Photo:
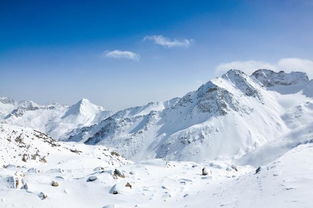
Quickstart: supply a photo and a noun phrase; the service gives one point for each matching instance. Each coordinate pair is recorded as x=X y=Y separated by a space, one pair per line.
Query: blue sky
x=125 y=53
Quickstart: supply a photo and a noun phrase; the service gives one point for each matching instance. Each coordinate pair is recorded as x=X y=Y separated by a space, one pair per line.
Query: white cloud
x=168 y=43
x=284 y=64
x=296 y=64
x=118 y=54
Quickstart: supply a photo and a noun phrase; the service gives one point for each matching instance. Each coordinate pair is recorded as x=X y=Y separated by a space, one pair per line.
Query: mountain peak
x=6 y=100
x=28 y=104
x=242 y=82
x=84 y=107
x=271 y=78
x=235 y=76
x=232 y=72
x=84 y=101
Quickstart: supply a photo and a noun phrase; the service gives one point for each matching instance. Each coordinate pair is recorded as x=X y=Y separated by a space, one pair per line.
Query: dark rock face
x=240 y=81
x=204 y=171
x=257 y=170
x=270 y=78
x=211 y=98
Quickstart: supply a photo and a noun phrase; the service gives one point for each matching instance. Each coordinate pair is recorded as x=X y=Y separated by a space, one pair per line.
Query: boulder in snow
x=91 y=178
x=205 y=171
x=54 y=184
x=42 y=195
x=118 y=173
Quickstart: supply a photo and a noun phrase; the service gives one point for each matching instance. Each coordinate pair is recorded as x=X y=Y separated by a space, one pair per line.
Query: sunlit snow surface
x=252 y=134
x=284 y=182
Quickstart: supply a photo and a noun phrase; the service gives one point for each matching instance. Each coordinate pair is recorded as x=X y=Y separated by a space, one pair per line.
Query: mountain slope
x=24 y=146
x=225 y=118
x=7 y=105
x=251 y=138
x=87 y=176
x=55 y=120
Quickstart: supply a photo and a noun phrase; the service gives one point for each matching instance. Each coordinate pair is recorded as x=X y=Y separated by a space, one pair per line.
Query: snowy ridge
x=270 y=78
x=55 y=119
x=25 y=146
x=248 y=141
x=225 y=118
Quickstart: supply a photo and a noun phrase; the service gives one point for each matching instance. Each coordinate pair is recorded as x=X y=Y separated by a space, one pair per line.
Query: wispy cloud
x=118 y=54
x=291 y=64
x=285 y=64
x=169 y=43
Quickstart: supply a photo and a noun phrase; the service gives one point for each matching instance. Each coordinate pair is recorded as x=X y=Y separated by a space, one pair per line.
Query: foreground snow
x=286 y=182
x=77 y=175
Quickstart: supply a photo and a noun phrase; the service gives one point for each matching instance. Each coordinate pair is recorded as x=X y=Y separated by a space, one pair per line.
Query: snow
x=223 y=119
x=251 y=134
x=286 y=181
x=55 y=119
x=6 y=106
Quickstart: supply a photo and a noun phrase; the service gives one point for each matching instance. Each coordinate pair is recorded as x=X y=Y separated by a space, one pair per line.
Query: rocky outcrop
x=270 y=78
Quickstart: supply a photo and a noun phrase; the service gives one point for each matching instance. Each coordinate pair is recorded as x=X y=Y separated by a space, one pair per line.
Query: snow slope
x=56 y=120
x=225 y=118
x=83 y=176
x=7 y=105
x=252 y=136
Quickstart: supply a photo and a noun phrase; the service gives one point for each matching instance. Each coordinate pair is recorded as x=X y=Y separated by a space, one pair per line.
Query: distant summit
x=225 y=118
x=54 y=119
x=270 y=78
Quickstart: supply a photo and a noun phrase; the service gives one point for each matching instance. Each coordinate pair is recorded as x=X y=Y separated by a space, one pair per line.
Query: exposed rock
x=205 y=171
x=25 y=186
x=118 y=173
x=113 y=153
x=114 y=189
x=119 y=188
x=54 y=184
x=234 y=167
x=43 y=160
x=91 y=178
x=270 y=78
x=12 y=181
x=15 y=181
x=25 y=157
x=42 y=195
x=75 y=151
x=257 y=170
x=128 y=185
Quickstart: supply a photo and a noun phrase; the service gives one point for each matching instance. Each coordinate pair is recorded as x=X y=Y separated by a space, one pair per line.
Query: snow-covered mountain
x=248 y=141
x=7 y=105
x=225 y=118
x=20 y=146
x=55 y=119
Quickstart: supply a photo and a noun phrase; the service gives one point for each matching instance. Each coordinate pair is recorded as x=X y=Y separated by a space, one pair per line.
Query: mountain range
x=225 y=118
x=237 y=141
x=55 y=119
